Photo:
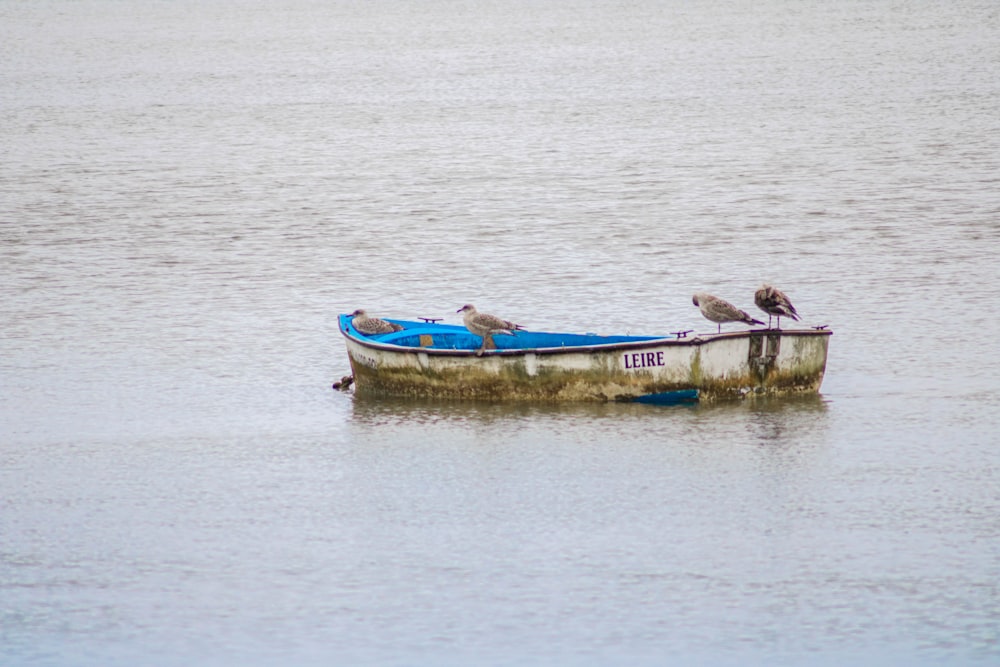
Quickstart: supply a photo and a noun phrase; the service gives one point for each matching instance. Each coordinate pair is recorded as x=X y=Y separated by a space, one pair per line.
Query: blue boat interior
x=457 y=337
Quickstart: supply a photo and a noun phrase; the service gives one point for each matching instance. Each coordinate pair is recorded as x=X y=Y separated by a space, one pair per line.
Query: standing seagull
x=721 y=311
x=774 y=302
x=371 y=326
x=484 y=325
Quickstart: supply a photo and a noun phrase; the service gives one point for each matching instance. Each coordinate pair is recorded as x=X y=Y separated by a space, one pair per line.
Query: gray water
x=191 y=192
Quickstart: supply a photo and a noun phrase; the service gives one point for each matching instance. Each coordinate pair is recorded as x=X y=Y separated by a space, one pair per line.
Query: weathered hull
x=716 y=367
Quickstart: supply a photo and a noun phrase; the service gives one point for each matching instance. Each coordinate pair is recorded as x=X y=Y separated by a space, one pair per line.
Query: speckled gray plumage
x=721 y=311
x=371 y=326
x=774 y=302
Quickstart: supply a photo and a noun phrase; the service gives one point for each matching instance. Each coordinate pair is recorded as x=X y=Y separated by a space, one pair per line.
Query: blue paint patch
x=670 y=397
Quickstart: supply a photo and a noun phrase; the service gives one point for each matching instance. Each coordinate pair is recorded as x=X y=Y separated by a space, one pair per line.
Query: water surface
x=191 y=194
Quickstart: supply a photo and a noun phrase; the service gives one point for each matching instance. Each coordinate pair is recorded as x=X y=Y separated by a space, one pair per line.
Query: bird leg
x=487 y=339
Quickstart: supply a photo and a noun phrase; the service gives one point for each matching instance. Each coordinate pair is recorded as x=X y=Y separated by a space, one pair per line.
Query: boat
x=429 y=359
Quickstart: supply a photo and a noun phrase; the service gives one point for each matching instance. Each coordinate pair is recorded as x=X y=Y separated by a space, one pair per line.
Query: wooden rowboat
x=432 y=360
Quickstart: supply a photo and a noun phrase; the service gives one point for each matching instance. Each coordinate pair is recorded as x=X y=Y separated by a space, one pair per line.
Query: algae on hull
x=719 y=367
x=508 y=384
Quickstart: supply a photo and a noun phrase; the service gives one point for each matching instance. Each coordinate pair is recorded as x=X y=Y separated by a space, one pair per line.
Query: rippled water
x=190 y=194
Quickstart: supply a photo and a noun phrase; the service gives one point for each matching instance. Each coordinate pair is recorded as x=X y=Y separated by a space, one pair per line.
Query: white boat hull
x=723 y=366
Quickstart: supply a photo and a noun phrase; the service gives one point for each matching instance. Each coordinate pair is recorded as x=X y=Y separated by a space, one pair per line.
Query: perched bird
x=721 y=311
x=484 y=325
x=371 y=326
x=774 y=302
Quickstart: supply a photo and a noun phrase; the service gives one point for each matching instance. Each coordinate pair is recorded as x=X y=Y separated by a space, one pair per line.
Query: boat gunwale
x=694 y=341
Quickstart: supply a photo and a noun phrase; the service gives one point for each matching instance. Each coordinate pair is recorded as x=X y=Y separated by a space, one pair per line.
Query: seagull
x=371 y=326
x=484 y=325
x=774 y=302
x=721 y=311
